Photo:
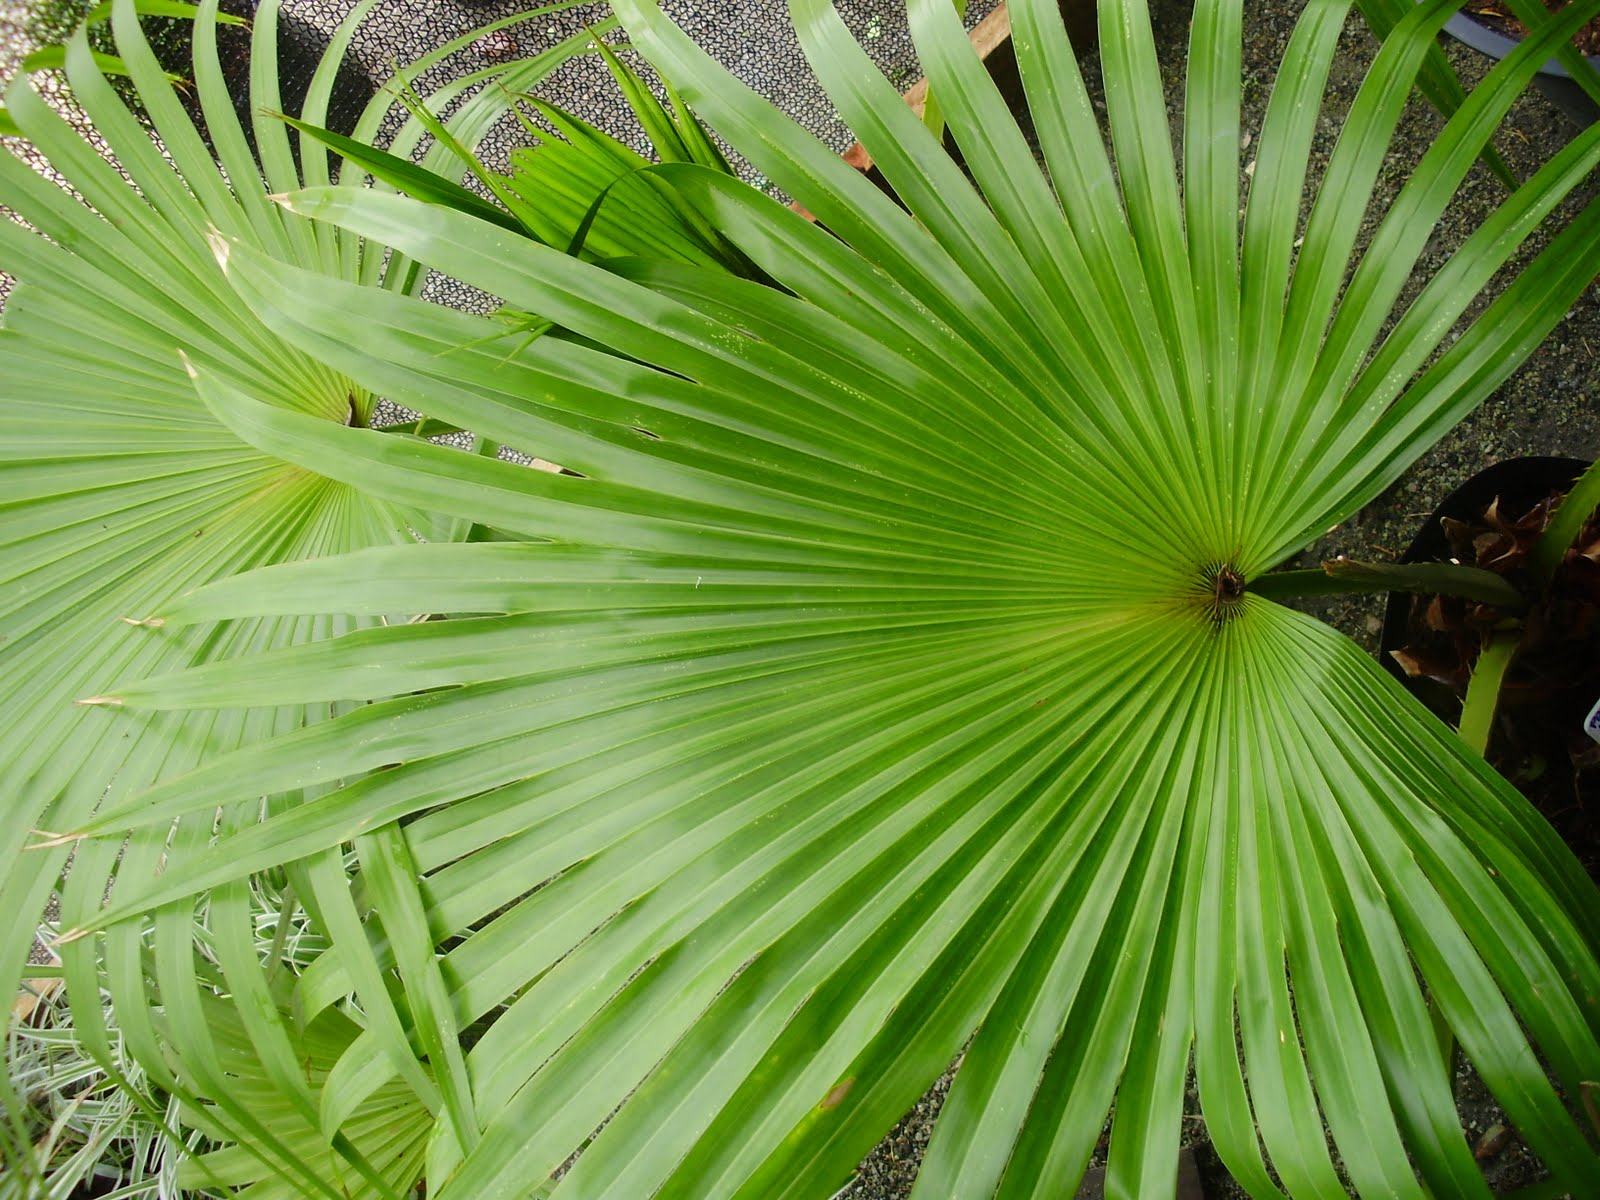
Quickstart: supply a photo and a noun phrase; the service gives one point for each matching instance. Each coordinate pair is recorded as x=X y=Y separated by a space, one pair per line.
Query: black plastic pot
x=1519 y=483
x=1554 y=80
x=1538 y=744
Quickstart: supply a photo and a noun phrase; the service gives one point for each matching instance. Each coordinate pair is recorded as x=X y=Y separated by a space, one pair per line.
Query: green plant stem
x=1346 y=575
x=1314 y=581
x=1483 y=690
x=1566 y=524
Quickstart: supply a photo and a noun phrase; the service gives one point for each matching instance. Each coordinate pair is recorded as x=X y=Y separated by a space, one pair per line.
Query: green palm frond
x=120 y=488
x=880 y=682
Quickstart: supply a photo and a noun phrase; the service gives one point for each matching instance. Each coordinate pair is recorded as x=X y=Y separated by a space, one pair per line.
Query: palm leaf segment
x=878 y=682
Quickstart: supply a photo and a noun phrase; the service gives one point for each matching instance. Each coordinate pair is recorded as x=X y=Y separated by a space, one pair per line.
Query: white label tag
x=1591 y=723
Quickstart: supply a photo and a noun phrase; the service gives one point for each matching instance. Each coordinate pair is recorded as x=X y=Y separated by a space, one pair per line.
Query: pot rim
x=1497 y=45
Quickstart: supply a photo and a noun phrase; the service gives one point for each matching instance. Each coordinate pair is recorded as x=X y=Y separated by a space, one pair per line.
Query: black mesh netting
x=752 y=37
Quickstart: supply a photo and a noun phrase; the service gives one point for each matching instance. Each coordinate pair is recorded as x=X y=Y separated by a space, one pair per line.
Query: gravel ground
x=1547 y=407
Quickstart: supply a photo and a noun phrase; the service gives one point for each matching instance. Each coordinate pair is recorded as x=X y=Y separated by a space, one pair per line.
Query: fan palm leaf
x=880 y=683
x=119 y=486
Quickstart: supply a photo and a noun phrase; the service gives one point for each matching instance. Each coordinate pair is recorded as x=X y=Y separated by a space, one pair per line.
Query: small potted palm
x=1514 y=668
x=887 y=676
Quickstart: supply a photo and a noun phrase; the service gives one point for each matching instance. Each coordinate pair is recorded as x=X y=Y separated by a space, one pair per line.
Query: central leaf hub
x=1225 y=586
